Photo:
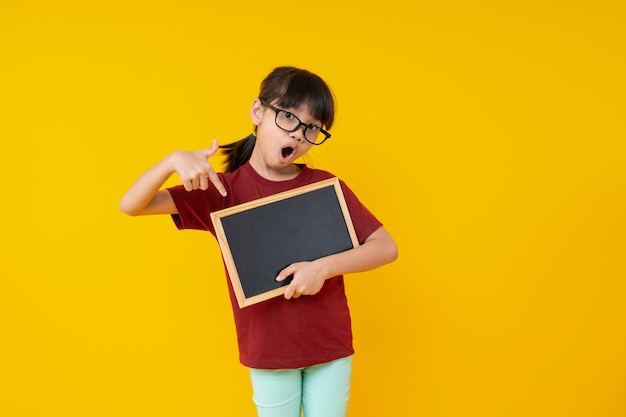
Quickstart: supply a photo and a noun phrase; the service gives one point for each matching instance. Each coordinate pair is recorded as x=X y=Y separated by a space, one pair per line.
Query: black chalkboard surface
x=260 y=238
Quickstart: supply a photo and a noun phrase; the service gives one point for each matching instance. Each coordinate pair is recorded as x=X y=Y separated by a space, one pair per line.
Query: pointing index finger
x=215 y=180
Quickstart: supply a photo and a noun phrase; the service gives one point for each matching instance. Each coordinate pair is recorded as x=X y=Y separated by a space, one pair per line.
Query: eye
x=313 y=128
x=288 y=115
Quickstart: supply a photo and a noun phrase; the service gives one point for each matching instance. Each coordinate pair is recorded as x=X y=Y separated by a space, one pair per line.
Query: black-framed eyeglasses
x=289 y=122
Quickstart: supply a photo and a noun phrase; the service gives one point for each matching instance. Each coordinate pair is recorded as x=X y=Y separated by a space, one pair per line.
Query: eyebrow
x=317 y=123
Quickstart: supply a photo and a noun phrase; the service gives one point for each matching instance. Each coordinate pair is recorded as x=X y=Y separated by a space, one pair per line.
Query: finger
x=208 y=152
x=188 y=185
x=195 y=182
x=285 y=273
x=289 y=292
x=215 y=179
x=204 y=182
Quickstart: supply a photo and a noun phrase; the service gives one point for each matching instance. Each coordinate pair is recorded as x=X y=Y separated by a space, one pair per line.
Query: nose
x=299 y=133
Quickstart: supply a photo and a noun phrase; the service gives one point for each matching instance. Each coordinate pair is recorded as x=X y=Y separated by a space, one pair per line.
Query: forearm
x=379 y=249
x=142 y=193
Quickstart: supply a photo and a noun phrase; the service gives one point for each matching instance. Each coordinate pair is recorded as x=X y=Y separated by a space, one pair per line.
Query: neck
x=286 y=173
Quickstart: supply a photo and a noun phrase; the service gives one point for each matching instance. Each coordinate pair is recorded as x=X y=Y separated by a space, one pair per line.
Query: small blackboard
x=260 y=238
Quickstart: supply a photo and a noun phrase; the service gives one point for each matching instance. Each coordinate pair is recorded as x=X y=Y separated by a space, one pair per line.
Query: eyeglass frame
x=300 y=123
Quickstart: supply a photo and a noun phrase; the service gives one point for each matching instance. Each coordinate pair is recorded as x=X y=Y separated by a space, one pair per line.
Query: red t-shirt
x=279 y=333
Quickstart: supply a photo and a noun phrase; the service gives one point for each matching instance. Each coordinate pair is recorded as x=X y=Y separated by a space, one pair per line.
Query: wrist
x=170 y=162
x=324 y=265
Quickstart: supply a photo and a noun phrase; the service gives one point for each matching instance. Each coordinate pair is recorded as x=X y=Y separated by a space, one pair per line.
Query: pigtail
x=238 y=153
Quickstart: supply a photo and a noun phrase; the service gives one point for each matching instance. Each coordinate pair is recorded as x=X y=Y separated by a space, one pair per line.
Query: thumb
x=208 y=152
x=285 y=273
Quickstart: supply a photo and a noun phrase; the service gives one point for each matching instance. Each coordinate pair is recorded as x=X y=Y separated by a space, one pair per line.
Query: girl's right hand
x=194 y=169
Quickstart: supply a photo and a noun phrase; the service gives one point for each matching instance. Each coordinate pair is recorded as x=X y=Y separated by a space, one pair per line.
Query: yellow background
x=488 y=136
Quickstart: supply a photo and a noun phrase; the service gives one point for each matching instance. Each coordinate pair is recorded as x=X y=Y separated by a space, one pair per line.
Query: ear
x=256 y=112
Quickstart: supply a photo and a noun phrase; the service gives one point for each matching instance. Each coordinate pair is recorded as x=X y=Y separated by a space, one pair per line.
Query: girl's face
x=276 y=149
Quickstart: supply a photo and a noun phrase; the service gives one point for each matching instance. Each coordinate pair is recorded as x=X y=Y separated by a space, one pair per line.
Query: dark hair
x=287 y=87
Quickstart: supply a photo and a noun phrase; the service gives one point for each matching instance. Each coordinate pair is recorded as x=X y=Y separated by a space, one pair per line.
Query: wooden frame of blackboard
x=261 y=237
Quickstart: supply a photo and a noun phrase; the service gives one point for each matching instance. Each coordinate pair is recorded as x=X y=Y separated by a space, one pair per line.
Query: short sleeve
x=194 y=207
x=364 y=222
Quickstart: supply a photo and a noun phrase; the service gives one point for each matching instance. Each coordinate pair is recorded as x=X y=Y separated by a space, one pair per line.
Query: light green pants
x=320 y=391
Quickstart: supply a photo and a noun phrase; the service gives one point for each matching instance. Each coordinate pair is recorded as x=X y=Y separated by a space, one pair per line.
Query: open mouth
x=287 y=152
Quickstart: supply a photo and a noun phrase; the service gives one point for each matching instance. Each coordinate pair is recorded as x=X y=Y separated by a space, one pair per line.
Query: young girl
x=298 y=347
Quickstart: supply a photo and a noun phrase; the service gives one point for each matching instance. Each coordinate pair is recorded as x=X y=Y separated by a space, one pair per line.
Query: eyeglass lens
x=289 y=122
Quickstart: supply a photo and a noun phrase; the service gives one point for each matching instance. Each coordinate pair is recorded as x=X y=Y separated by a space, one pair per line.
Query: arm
x=145 y=195
x=308 y=277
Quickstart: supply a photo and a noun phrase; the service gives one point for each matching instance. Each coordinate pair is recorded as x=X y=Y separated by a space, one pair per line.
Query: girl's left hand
x=307 y=279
